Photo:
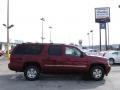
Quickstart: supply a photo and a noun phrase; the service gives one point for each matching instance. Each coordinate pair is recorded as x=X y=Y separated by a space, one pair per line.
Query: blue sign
x=102 y=25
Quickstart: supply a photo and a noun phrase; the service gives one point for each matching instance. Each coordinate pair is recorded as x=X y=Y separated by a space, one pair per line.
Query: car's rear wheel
x=97 y=73
x=111 y=61
x=32 y=72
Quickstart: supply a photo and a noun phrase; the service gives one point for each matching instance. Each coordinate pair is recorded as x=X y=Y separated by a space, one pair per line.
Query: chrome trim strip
x=83 y=66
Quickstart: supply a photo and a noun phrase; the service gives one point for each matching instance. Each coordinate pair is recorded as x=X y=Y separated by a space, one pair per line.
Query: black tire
x=111 y=61
x=97 y=73
x=32 y=72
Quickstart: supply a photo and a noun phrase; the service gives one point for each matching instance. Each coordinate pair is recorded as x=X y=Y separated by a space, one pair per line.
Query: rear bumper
x=15 y=67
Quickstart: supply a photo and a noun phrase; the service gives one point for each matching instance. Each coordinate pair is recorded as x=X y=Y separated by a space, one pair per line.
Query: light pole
x=118 y=6
x=8 y=27
x=50 y=34
x=42 y=19
x=92 y=37
x=108 y=36
x=88 y=39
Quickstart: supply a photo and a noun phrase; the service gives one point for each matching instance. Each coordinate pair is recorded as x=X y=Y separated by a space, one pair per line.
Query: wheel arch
x=26 y=64
x=97 y=64
x=112 y=59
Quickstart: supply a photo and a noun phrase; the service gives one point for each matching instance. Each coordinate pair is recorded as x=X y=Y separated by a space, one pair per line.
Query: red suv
x=34 y=58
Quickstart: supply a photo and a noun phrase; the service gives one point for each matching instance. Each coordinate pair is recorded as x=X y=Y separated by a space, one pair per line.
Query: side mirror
x=83 y=54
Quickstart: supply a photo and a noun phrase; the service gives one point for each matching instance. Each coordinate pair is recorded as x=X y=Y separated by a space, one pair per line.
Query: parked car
x=91 y=51
x=113 y=56
x=1 y=53
x=33 y=59
x=102 y=53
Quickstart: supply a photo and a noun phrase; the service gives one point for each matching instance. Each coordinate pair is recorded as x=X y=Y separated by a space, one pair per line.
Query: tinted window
x=28 y=49
x=55 y=50
x=116 y=53
x=20 y=49
x=93 y=51
x=33 y=50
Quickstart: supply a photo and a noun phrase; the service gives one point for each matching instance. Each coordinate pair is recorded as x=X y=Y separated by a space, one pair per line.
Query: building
x=3 y=46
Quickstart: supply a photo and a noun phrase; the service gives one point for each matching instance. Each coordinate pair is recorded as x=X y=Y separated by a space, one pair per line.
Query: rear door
x=53 y=60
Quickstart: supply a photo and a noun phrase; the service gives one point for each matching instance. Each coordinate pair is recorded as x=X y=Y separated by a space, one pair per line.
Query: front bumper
x=107 y=70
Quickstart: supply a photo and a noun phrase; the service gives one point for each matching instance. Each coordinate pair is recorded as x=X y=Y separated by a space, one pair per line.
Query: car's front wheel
x=97 y=73
x=31 y=73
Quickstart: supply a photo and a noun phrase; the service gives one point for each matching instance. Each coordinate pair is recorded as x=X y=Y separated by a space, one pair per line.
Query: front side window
x=72 y=51
x=55 y=50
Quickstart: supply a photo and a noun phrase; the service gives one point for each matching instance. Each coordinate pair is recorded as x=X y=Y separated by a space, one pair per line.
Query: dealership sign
x=102 y=15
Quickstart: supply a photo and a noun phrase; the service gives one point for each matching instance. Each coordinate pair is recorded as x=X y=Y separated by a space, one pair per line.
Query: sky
x=70 y=20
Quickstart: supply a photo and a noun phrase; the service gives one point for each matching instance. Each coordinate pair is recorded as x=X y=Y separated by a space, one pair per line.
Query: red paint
x=57 y=64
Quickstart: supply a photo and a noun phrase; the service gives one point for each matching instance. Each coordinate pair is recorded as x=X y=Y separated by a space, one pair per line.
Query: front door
x=73 y=60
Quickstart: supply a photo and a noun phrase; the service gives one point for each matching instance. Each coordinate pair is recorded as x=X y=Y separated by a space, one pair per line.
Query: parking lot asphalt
x=10 y=80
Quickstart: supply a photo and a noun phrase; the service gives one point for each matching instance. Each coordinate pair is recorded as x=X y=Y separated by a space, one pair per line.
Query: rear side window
x=20 y=50
x=28 y=49
x=55 y=50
